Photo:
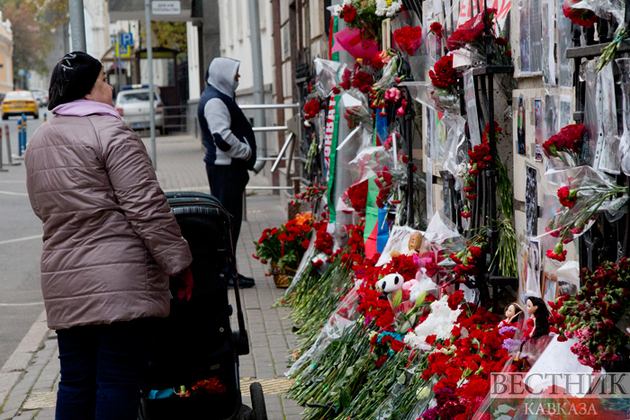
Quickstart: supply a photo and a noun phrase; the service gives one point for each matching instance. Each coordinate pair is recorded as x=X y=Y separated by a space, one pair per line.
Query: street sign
x=21 y=72
x=126 y=39
x=172 y=7
x=28 y=75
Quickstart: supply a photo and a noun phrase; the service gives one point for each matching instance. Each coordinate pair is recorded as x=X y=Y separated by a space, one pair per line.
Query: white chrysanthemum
x=337 y=10
x=346 y=3
x=381 y=7
x=393 y=9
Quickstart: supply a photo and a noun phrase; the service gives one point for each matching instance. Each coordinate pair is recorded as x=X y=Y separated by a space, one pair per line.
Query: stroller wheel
x=259 y=411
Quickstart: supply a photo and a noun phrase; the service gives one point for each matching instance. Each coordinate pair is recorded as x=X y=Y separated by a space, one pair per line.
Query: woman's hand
x=187 y=278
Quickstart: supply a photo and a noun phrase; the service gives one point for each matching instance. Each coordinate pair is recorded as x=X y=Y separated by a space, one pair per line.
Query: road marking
x=27 y=238
x=14 y=193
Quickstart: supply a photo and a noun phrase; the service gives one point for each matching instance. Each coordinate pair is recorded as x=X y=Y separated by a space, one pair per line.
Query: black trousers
x=227 y=183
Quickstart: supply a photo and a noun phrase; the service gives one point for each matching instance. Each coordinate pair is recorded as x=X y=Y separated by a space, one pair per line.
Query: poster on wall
x=469 y=9
x=535 y=37
x=531 y=201
x=471 y=108
x=548 y=43
x=538 y=130
x=550 y=287
x=524 y=42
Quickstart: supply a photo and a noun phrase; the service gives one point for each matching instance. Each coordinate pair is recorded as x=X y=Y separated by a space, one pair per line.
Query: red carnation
x=349 y=13
x=362 y=81
x=436 y=28
x=455 y=299
x=311 y=109
x=443 y=75
x=567 y=197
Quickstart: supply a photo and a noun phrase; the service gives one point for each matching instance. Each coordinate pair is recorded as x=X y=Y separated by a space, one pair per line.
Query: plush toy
x=414 y=246
x=391 y=283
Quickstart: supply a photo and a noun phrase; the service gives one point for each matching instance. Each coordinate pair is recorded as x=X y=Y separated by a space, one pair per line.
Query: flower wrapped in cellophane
x=583 y=194
x=564 y=149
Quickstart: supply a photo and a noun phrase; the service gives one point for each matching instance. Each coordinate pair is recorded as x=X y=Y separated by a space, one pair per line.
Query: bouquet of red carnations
x=581 y=17
x=565 y=146
x=408 y=39
x=356 y=196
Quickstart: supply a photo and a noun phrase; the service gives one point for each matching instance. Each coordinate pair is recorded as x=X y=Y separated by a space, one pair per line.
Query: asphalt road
x=20 y=249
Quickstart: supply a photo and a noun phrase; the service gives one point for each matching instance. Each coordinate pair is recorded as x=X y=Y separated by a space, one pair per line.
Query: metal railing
x=262 y=160
x=179 y=119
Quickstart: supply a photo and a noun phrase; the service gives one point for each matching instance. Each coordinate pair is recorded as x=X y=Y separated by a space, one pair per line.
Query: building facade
x=6 y=56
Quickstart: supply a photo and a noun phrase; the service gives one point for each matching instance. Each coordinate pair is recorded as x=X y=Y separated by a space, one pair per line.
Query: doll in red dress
x=538 y=324
x=513 y=314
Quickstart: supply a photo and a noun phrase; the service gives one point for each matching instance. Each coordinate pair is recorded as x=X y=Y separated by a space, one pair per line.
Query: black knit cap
x=72 y=78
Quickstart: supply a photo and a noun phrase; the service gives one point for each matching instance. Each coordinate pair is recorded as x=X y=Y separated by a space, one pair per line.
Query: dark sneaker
x=243 y=282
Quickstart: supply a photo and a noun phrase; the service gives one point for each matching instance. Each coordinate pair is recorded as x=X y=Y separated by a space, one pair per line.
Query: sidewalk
x=32 y=372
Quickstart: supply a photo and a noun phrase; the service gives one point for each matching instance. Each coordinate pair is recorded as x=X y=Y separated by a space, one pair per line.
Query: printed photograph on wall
x=531 y=201
x=538 y=130
x=567 y=288
x=534 y=268
x=550 y=287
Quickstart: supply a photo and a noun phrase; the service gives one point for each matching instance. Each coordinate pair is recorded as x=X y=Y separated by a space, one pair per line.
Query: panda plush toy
x=391 y=283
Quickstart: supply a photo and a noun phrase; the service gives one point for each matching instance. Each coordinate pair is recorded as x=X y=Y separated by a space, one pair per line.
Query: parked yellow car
x=19 y=102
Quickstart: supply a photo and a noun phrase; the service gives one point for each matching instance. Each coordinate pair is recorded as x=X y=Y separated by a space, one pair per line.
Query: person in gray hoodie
x=229 y=140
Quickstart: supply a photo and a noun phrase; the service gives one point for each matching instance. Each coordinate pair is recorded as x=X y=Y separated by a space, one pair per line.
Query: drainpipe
x=277 y=54
x=257 y=66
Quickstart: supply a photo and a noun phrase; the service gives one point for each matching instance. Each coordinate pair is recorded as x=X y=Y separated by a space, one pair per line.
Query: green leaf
x=397 y=299
x=344 y=398
x=402 y=378
x=421 y=298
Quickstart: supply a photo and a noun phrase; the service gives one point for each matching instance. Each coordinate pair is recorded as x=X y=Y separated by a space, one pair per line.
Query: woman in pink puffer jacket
x=110 y=243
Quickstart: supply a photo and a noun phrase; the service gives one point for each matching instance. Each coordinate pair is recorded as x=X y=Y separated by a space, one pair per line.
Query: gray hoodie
x=220 y=75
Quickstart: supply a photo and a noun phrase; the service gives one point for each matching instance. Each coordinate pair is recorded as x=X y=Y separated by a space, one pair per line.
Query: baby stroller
x=193 y=371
